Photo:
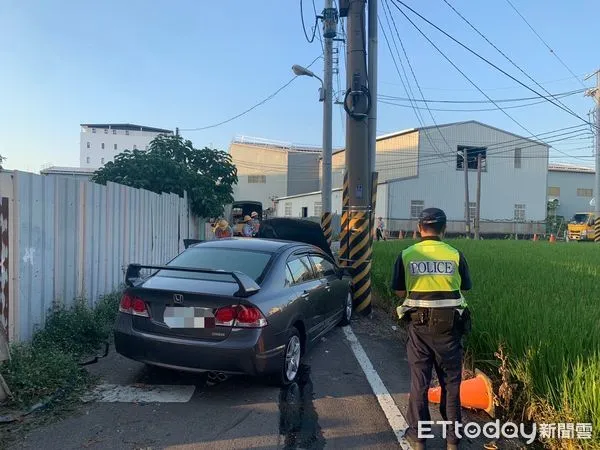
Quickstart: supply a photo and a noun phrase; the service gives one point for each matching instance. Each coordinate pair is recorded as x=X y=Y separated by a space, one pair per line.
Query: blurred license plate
x=189 y=317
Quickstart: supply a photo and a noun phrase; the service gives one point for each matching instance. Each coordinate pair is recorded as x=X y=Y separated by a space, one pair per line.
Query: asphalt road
x=332 y=405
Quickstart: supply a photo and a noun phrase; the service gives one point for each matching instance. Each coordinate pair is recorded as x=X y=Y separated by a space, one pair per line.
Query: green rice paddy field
x=541 y=301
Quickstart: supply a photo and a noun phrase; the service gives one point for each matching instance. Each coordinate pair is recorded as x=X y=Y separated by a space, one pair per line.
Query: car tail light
x=130 y=304
x=242 y=316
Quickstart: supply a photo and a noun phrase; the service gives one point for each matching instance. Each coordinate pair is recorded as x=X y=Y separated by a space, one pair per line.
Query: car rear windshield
x=252 y=263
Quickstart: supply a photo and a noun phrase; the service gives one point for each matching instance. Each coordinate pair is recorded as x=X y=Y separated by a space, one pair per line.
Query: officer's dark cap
x=431 y=216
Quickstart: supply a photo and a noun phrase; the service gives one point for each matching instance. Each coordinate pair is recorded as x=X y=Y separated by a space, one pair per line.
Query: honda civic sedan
x=233 y=306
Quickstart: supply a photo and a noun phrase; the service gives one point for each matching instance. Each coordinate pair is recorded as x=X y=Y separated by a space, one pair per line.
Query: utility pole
x=478 y=215
x=372 y=73
x=177 y=131
x=330 y=20
x=357 y=104
x=467 y=209
x=595 y=92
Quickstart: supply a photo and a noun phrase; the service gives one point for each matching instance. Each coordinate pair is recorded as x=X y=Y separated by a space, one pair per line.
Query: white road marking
x=141 y=393
x=391 y=411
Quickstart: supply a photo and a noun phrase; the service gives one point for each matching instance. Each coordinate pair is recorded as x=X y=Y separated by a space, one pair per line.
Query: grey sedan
x=234 y=306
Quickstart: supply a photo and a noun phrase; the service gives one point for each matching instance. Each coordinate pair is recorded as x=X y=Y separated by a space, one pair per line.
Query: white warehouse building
x=423 y=167
x=100 y=143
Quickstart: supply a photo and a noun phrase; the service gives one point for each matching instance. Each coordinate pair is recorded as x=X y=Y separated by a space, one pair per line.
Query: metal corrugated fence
x=72 y=239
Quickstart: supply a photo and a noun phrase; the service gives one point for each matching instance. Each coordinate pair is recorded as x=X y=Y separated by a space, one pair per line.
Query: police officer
x=430 y=275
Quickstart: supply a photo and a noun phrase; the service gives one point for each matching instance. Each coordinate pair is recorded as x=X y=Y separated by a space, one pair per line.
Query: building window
x=87 y=160
x=103 y=146
x=262 y=179
x=106 y=131
x=585 y=192
x=101 y=160
x=115 y=146
x=288 y=209
x=94 y=130
x=517 y=158
x=88 y=145
x=318 y=209
x=416 y=207
x=305 y=211
x=471 y=155
x=127 y=132
x=114 y=131
x=554 y=191
x=520 y=212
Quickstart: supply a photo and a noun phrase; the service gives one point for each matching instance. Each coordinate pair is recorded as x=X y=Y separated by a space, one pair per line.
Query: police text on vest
x=432 y=268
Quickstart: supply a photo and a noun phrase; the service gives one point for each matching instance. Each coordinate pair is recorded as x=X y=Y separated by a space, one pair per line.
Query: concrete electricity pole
x=355 y=247
x=330 y=20
x=478 y=215
x=467 y=209
x=372 y=72
x=595 y=92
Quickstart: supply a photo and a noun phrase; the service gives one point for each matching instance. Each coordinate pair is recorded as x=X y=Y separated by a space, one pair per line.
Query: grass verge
x=50 y=362
x=539 y=302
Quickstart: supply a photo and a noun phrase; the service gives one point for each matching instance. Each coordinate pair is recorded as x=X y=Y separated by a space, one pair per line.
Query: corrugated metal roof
x=558 y=167
x=126 y=126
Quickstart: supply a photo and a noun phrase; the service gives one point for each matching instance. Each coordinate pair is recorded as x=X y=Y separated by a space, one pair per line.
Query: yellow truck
x=581 y=227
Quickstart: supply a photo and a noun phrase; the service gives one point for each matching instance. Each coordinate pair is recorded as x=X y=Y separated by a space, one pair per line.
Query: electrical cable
x=408 y=90
x=460 y=71
x=502 y=53
x=252 y=107
x=482 y=58
x=507 y=100
x=545 y=43
x=310 y=41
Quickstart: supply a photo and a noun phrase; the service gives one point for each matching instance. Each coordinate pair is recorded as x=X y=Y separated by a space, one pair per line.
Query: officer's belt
x=442 y=303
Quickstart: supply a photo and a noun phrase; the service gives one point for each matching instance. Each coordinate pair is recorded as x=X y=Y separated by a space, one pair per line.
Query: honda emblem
x=178 y=298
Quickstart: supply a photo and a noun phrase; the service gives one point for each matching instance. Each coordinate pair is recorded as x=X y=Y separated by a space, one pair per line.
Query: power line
x=502 y=53
x=386 y=4
x=460 y=71
x=408 y=90
x=507 y=100
x=310 y=40
x=263 y=101
x=482 y=58
x=545 y=43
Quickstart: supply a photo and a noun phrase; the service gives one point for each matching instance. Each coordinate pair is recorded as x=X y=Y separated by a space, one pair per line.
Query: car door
x=306 y=284
x=331 y=292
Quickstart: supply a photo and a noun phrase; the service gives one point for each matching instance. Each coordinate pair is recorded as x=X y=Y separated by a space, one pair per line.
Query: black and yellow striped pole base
x=360 y=255
x=344 y=226
x=597 y=229
x=326 y=218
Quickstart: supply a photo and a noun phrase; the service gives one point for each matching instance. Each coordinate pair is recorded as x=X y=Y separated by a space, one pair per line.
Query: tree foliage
x=173 y=165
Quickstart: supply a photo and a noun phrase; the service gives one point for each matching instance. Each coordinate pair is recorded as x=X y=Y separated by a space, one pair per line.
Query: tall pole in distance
x=478 y=196
x=330 y=19
x=357 y=104
x=595 y=92
x=372 y=75
x=467 y=209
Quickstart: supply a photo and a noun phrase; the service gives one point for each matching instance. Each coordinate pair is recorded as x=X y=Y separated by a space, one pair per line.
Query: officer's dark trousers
x=426 y=350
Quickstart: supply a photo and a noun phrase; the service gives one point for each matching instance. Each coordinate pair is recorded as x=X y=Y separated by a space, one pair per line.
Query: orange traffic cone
x=552 y=238
x=414 y=235
x=475 y=393
x=401 y=235
x=535 y=238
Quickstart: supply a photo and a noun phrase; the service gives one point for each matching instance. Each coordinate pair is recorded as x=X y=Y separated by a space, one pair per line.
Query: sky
x=191 y=64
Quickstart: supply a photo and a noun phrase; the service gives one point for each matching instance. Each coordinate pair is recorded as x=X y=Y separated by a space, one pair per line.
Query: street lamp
x=303 y=71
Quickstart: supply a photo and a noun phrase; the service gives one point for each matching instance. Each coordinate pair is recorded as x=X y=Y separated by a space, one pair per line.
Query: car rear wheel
x=291 y=359
x=347 y=317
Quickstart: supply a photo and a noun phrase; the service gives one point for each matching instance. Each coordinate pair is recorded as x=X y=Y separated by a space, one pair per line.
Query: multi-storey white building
x=100 y=143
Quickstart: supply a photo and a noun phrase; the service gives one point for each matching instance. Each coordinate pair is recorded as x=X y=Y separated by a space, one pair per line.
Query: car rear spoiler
x=247 y=286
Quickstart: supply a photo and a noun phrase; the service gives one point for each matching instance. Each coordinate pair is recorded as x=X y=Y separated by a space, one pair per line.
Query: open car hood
x=297 y=230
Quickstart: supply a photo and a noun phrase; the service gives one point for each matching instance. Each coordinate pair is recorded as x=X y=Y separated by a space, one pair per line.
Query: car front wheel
x=348 y=307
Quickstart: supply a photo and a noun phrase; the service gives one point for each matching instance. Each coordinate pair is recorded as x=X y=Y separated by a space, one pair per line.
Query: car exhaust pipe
x=221 y=376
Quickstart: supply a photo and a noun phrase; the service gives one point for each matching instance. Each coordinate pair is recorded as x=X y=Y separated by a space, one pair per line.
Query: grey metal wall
x=71 y=239
x=303 y=173
x=568 y=182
